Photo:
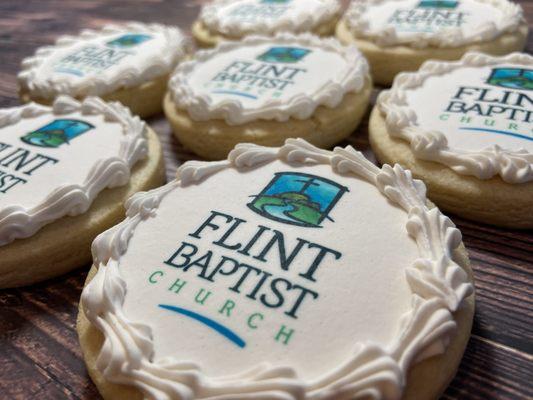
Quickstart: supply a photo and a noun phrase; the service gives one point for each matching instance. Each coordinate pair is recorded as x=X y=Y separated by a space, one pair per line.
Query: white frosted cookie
x=65 y=172
x=399 y=35
x=466 y=129
x=129 y=63
x=233 y=19
x=280 y=273
x=267 y=89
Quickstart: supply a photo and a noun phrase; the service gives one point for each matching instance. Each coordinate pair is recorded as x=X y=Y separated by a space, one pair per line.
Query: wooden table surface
x=39 y=353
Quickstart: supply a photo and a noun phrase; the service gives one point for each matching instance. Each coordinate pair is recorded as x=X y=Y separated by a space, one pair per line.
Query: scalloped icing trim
x=512 y=18
x=122 y=75
x=513 y=166
x=437 y=283
x=308 y=18
x=17 y=222
x=301 y=105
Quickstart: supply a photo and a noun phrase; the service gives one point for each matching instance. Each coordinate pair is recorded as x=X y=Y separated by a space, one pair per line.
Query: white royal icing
x=240 y=17
x=96 y=63
x=459 y=114
x=439 y=23
x=38 y=185
x=382 y=304
x=241 y=81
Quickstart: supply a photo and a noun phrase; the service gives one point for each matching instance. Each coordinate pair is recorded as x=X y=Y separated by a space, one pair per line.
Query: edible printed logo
x=288 y=55
x=447 y=4
x=266 y=76
x=429 y=16
x=226 y=262
x=56 y=133
x=129 y=40
x=503 y=108
x=514 y=78
x=254 y=11
x=95 y=58
x=298 y=199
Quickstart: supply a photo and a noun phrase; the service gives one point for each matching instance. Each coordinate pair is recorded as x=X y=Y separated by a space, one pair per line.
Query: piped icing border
x=130 y=75
x=290 y=22
x=401 y=121
x=201 y=108
x=17 y=222
x=438 y=286
x=512 y=19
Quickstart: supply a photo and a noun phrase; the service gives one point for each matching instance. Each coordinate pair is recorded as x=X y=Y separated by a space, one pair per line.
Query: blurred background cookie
x=267 y=89
x=399 y=35
x=129 y=63
x=465 y=128
x=233 y=19
x=65 y=171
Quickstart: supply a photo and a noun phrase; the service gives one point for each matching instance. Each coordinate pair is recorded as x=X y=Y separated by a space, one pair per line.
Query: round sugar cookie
x=399 y=35
x=128 y=63
x=265 y=90
x=65 y=172
x=465 y=129
x=233 y=19
x=279 y=273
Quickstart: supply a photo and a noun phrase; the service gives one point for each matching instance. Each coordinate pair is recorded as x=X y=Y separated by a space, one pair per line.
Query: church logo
x=512 y=78
x=56 y=133
x=298 y=199
x=445 y=4
x=287 y=55
x=129 y=40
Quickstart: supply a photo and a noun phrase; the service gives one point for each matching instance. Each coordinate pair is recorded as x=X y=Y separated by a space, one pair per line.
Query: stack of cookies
x=283 y=267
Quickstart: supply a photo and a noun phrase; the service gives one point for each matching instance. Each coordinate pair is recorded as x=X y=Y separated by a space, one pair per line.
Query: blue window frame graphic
x=446 y=4
x=57 y=133
x=286 y=55
x=512 y=78
x=129 y=40
x=298 y=199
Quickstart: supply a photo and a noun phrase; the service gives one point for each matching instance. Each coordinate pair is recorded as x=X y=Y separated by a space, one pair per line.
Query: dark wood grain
x=39 y=353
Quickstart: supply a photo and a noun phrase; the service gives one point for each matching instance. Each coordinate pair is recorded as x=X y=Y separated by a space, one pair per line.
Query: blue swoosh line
x=498 y=132
x=227 y=333
x=250 y=96
x=69 y=71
